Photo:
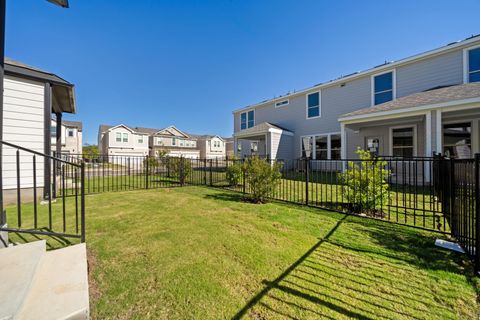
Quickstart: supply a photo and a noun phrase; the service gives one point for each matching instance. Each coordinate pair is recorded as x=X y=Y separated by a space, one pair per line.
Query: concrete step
x=60 y=287
x=18 y=265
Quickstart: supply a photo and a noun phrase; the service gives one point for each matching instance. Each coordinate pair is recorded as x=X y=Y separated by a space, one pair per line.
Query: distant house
x=229 y=147
x=31 y=96
x=174 y=143
x=211 y=147
x=122 y=140
x=71 y=137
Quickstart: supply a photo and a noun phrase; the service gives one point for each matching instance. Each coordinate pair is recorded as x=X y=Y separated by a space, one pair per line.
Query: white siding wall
x=23 y=125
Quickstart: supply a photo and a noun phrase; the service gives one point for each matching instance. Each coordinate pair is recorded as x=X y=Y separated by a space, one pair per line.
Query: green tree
x=90 y=152
x=180 y=168
x=366 y=183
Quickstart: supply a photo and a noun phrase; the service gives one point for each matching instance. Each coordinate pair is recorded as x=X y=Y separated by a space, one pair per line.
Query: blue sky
x=154 y=63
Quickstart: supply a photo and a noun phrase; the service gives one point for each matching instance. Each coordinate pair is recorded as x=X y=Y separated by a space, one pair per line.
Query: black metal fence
x=33 y=204
x=433 y=193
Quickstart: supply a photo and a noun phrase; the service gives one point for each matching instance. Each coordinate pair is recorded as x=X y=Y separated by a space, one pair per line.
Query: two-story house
x=70 y=137
x=122 y=140
x=211 y=147
x=173 y=142
x=426 y=103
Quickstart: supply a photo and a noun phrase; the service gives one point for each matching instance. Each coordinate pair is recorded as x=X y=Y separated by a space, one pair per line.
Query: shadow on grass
x=369 y=269
x=52 y=242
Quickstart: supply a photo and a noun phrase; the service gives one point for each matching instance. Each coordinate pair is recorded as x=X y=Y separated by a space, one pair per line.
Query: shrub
x=180 y=168
x=234 y=174
x=366 y=186
x=262 y=177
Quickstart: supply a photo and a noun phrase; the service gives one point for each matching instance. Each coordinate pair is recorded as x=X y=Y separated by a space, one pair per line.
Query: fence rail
x=434 y=193
x=29 y=190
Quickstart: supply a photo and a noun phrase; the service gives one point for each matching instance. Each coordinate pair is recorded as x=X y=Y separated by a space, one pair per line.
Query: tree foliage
x=262 y=177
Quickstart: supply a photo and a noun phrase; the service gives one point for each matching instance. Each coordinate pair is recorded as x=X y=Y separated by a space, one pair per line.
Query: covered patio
x=442 y=120
x=264 y=140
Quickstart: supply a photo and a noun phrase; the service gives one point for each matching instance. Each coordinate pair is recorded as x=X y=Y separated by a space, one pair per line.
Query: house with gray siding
x=426 y=103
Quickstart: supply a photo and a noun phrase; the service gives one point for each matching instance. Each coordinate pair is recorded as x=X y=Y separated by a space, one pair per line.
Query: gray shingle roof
x=73 y=124
x=425 y=98
x=261 y=128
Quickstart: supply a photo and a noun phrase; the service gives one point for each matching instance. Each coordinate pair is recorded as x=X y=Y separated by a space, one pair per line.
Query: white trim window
x=473 y=65
x=247 y=119
x=383 y=87
x=174 y=141
x=403 y=141
x=282 y=103
x=140 y=139
x=118 y=137
x=125 y=137
x=322 y=146
x=70 y=133
x=313 y=105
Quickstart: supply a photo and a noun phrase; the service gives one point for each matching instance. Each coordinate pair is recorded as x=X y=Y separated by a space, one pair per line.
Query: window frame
x=125 y=137
x=394 y=85
x=118 y=137
x=70 y=130
x=314 y=146
x=282 y=103
x=247 y=120
x=140 y=139
x=415 y=138
x=466 y=63
x=319 y=105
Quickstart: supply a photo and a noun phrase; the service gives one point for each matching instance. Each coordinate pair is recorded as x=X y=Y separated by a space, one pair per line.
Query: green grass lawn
x=202 y=253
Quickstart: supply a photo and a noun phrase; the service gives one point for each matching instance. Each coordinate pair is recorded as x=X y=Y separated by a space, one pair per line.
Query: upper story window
x=53 y=131
x=247 y=119
x=140 y=139
x=383 y=88
x=474 y=65
x=313 y=105
x=118 y=137
x=70 y=132
x=282 y=103
x=174 y=141
x=125 y=137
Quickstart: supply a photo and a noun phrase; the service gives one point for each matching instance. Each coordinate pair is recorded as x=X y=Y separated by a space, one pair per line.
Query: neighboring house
x=426 y=103
x=211 y=147
x=71 y=137
x=173 y=142
x=31 y=96
x=122 y=140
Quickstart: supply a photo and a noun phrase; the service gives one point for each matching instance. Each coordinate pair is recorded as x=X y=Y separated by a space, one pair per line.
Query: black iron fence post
x=477 y=214
x=147 y=169
x=244 y=177
x=82 y=201
x=210 y=174
x=307 y=179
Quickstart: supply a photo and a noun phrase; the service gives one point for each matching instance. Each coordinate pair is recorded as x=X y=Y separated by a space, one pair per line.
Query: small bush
x=180 y=168
x=234 y=174
x=366 y=186
x=262 y=177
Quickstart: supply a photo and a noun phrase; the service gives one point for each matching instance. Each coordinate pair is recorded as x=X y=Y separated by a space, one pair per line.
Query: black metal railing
x=433 y=193
x=31 y=181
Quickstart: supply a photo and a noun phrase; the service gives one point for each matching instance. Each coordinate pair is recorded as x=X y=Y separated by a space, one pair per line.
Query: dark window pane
x=474 y=77
x=457 y=140
x=403 y=152
x=336 y=154
x=383 y=97
x=335 y=142
x=474 y=60
x=321 y=142
x=313 y=112
x=384 y=82
x=321 y=154
x=313 y=99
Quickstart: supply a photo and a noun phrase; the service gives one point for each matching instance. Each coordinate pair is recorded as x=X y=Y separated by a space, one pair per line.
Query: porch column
x=438 y=131
x=343 y=140
x=58 y=136
x=428 y=134
x=47 y=140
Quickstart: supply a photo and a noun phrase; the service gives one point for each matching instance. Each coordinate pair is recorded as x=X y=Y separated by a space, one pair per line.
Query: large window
x=335 y=147
x=247 y=119
x=313 y=105
x=383 y=88
x=474 y=65
x=118 y=137
x=403 y=142
x=322 y=147
x=457 y=140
